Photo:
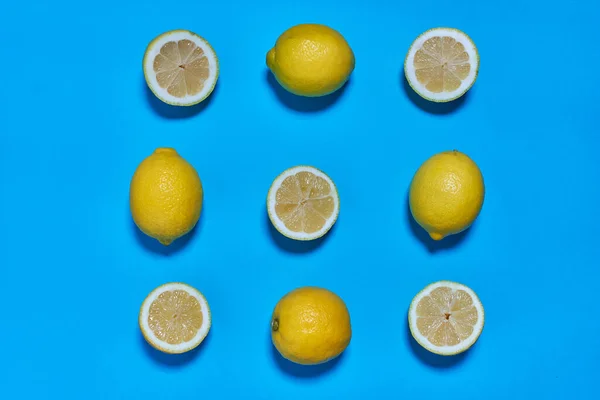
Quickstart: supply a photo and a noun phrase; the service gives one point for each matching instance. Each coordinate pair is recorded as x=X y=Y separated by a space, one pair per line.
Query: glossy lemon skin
x=310 y=325
x=311 y=60
x=165 y=196
x=446 y=194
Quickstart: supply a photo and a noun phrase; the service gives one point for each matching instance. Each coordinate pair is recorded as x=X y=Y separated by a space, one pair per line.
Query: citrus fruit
x=303 y=203
x=446 y=194
x=174 y=318
x=165 y=196
x=180 y=68
x=310 y=325
x=442 y=64
x=311 y=60
x=446 y=318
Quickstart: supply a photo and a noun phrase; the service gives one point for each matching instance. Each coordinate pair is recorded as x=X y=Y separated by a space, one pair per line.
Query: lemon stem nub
x=436 y=236
x=165 y=150
x=271 y=58
x=275 y=325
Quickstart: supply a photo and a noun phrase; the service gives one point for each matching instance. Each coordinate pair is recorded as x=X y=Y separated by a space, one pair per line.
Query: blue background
x=77 y=119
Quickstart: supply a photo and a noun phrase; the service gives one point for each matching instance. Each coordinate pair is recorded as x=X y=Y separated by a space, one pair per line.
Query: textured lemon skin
x=310 y=325
x=446 y=194
x=311 y=60
x=165 y=196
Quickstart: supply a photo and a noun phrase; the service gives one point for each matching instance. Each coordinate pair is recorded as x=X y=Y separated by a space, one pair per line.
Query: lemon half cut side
x=181 y=68
x=442 y=64
x=303 y=203
x=446 y=318
x=175 y=318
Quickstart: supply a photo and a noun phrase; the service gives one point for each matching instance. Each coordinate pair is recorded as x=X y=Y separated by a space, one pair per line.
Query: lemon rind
x=443 y=97
x=182 y=347
x=446 y=350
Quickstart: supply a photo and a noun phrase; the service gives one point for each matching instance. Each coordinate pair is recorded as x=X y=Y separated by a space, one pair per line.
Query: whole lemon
x=311 y=60
x=165 y=196
x=446 y=194
x=310 y=325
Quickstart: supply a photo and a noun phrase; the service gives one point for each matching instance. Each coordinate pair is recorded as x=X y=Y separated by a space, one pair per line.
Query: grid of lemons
x=309 y=325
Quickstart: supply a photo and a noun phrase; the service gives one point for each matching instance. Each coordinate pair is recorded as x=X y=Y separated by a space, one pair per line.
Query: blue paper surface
x=77 y=119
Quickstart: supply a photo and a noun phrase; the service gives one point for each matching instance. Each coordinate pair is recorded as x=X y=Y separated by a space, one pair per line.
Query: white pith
x=446 y=350
x=465 y=84
x=272 y=200
x=185 y=346
x=154 y=49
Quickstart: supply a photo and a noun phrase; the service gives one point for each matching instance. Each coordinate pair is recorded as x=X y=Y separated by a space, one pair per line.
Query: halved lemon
x=442 y=64
x=181 y=68
x=446 y=318
x=303 y=203
x=175 y=318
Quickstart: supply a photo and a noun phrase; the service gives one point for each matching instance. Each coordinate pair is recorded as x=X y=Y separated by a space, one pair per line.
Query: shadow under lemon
x=432 y=359
x=154 y=246
x=168 y=111
x=301 y=103
x=322 y=340
x=173 y=360
x=432 y=107
x=295 y=246
x=299 y=370
x=434 y=246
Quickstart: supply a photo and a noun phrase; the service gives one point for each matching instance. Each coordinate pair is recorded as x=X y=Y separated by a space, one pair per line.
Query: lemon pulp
x=442 y=64
x=181 y=68
x=175 y=317
x=304 y=202
x=446 y=317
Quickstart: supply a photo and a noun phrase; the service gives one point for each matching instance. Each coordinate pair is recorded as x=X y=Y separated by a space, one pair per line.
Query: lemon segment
x=303 y=203
x=174 y=318
x=442 y=64
x=446 y=318
x=311 y=60
x=181 y=68
x=310 y=325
